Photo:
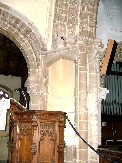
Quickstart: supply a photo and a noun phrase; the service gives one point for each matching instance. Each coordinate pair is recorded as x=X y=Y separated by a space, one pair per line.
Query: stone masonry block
x=35 y=99
x=83 y=124
x=83 y=115
x=82 y=145
x=92 y=82
x=83 y=86
x=83 y=60
x=69 y=153
x=83 y=155
x=83 y=76
x=92 y=67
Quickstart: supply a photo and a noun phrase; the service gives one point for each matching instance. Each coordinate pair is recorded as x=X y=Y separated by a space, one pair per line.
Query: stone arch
x=67 y=53
x=27 y=38
x=51 y=57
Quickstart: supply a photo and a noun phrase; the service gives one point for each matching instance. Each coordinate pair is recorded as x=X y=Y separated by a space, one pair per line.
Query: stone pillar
x=93 y=83
x=33 y=88
x=87 y=22
x=83 y=112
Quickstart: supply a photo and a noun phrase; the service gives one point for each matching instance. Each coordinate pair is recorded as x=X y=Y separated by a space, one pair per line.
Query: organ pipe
x=112 y=105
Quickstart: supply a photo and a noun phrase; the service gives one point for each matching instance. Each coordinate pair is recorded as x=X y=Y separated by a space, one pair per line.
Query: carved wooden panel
x=25 y=139
x=48 y=138
x=16 y=106
x=37 y=137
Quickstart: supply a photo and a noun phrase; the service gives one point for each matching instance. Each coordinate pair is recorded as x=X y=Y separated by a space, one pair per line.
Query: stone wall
x=73 y=38
x=75 y=26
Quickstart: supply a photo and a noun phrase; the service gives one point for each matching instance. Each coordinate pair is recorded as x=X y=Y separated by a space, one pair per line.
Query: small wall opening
x=61 y=97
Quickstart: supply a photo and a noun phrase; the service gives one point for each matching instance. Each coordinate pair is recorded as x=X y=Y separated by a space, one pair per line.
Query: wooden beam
x=107 y=56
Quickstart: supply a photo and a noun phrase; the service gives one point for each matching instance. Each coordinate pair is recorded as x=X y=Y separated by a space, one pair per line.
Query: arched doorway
x=20 y=34
x=26 y=37
x=13 y=67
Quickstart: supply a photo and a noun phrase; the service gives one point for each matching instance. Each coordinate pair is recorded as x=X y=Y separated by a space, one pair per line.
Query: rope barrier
x=96 y=151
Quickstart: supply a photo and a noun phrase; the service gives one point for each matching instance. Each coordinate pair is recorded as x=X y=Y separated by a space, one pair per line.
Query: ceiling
x=12 y=61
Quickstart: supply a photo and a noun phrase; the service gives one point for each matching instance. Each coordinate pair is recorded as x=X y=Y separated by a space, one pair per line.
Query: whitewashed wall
x=109 y=21
x=40 y=12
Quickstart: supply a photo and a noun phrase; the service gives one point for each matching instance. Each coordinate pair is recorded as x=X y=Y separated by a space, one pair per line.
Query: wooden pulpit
x=37 y=137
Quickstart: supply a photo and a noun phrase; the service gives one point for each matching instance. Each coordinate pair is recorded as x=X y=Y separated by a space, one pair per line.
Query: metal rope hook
x=100 y=154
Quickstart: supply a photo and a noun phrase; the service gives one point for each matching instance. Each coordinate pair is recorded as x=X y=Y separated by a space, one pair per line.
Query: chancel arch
x=26 y=36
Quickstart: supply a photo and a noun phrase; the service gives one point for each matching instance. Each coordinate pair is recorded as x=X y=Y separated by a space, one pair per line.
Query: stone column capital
x=102 y=93
x=33 y=86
